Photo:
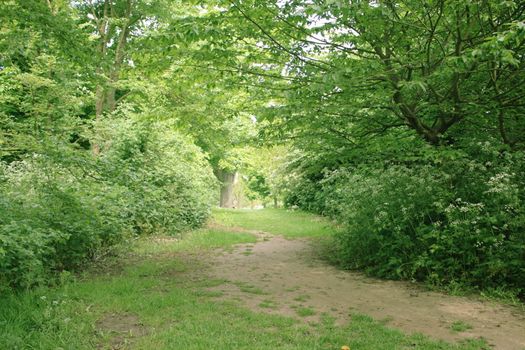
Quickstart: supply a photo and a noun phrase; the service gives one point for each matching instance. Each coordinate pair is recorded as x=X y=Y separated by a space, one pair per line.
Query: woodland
x=402 y=122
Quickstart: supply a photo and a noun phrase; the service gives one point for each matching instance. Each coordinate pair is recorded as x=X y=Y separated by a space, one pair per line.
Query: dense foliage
x=58 y=212
x=457 y=220
x=77 y=178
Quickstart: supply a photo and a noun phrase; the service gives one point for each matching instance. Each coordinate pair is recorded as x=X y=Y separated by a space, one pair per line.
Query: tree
x=350 y=71
x=44 y=72
x=203 y=100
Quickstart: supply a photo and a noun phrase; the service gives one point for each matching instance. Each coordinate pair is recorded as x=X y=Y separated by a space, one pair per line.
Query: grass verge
x=290 y=224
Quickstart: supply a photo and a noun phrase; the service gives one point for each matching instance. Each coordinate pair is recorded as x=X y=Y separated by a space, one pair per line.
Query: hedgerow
x=56 y=213
x=457 y=220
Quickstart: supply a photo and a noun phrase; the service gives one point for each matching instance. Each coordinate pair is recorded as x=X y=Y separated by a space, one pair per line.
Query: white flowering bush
x=456 y=220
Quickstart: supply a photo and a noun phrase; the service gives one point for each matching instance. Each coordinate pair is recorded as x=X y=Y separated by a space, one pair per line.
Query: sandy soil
x=279 y=276
x=122 y=330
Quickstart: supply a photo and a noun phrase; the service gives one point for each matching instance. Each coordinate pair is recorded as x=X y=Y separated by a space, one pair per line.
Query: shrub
x=456 y=220
x=48 y=221
x=171 y=185
x=61 y=208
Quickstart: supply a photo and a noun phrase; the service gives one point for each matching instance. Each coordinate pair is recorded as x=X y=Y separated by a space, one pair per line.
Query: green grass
x=175 y=315
x=195 y=241
x=268 y=304
x=305 y=311
x=248 y=288
x=460 y=326
x=161 y=290
x=290 y=224
x=302 y=298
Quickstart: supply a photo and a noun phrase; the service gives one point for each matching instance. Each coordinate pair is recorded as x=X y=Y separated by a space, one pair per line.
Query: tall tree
x=350 y=71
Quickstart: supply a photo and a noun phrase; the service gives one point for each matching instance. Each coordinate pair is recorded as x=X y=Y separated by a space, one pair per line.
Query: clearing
x=251 y=280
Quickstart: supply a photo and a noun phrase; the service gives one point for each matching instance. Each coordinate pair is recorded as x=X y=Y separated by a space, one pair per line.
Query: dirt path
x=282 y=276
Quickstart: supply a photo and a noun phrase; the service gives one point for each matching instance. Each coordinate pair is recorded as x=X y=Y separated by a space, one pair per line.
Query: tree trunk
x=105 y=93
x=114 y=74
x=228 y=180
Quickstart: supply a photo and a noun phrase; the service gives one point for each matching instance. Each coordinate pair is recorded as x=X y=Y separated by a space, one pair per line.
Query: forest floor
x=251 y=280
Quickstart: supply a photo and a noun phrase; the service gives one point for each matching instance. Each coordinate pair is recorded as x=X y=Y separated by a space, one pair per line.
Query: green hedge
x=458 y=220
x=61 y=208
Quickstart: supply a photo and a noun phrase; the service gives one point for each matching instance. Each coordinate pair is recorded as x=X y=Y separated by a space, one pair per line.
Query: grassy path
x=175 y=294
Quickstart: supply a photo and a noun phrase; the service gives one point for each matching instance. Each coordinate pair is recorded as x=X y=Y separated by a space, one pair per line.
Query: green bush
x=456 y=220
x=48 y=222
x=171 y=185
x=61 y=209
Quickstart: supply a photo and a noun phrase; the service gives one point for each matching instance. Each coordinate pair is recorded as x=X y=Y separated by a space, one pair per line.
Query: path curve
x=287 y=272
